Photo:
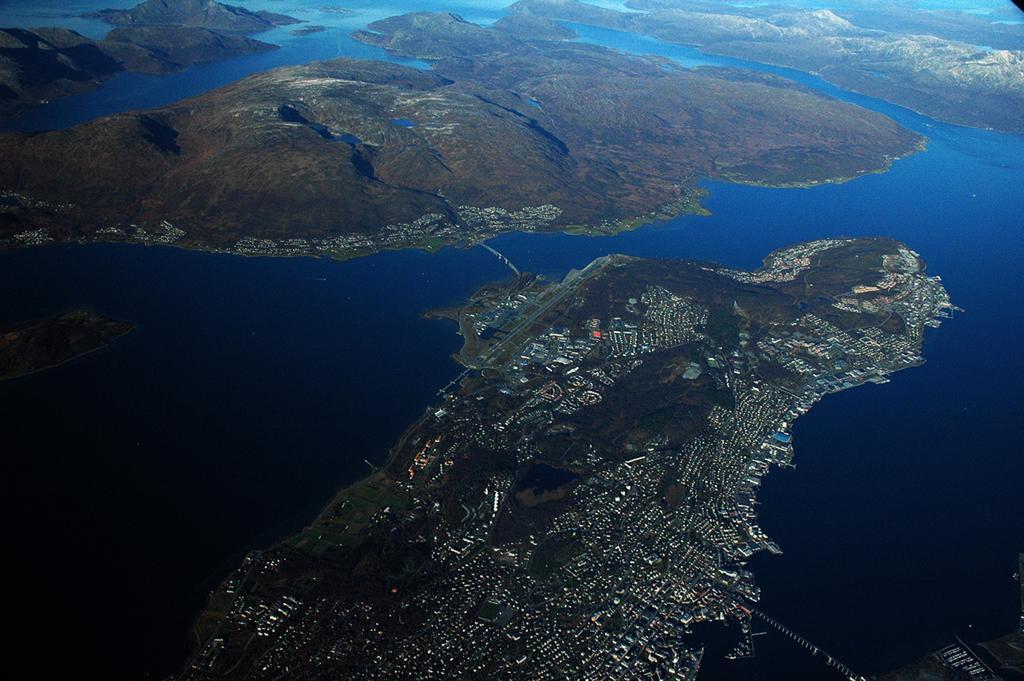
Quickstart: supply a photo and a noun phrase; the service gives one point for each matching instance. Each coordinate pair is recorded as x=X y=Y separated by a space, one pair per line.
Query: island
x=32 y=346
x=505 y=133
x=43 y=64
x=582 y=498
x=920 y=60
x=208 y=14
x=308 y=30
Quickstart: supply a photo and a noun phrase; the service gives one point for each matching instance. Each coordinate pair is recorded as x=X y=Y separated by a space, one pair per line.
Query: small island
x=307 y=30
x=32 y=346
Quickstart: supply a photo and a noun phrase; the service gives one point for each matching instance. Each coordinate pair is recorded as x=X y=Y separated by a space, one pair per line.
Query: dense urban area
x=584 y=495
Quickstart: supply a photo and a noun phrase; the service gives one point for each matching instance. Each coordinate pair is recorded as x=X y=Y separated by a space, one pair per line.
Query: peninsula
x=504 y=133
x=585 y=496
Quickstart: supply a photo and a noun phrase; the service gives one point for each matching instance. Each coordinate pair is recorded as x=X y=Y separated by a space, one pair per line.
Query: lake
x=253 y=388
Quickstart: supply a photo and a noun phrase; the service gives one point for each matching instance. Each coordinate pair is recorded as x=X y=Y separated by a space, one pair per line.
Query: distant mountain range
x=920 y=61
x=157 y=36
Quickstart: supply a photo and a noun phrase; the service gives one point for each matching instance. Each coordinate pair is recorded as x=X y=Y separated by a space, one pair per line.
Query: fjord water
x=252 y=388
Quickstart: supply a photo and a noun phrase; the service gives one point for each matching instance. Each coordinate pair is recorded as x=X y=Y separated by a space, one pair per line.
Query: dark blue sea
x=252 y=389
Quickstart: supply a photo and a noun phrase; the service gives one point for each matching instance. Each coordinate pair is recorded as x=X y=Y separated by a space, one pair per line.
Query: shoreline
x=690 y=204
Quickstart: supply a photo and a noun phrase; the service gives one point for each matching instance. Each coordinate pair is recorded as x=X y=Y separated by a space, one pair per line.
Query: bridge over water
x=503 y=259
x=814 y=649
